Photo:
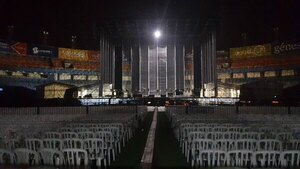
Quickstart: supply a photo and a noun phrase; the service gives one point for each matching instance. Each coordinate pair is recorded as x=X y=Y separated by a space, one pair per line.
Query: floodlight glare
x=157 y=34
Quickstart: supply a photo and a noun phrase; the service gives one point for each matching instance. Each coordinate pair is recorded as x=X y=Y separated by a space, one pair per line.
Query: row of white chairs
x=246 y=158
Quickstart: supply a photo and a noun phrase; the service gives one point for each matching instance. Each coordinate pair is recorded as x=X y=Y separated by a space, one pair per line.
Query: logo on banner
x=35 y=50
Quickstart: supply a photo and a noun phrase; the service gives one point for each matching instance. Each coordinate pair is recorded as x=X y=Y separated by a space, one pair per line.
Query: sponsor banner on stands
x=14 y=48
x=286 y=48
x=46 y=51
x=94 y=55
x=72 y=54
x=250 y=51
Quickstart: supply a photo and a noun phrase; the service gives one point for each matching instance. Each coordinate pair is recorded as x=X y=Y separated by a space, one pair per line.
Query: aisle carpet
x=131 y=154
x=167 y=153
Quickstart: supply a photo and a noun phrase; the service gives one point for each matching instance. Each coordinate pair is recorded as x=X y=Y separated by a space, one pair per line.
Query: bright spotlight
x=157 y=34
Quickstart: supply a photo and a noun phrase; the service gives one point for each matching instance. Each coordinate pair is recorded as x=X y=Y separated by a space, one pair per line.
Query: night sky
x=64 y=18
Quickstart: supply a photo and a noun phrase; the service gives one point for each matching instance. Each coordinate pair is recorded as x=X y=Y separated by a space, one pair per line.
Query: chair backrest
x=214 y=135
x=203 y=144
x=53 y=143
x=247 y=144
x=74 y=157
x=196 y=135
x=11 y=144
x=225 y=144
x=290 y=158
x=291 y=145
x=266 y=158
x=239 y=158
x=65 y=135
x=33 y=144
x=250 y=135
x=27 y=157
x=95 y=147
x=270 y=144
x=284 y=136
x=232 y=135
x=49 y=135
x=86 y=134
x=51 y=156
x=72 y=143
x=106 y=136
x=7 y=157
x=96 y=129
x=212 y=158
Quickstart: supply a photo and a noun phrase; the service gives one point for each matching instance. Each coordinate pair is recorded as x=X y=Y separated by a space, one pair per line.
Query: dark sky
x=68 y=17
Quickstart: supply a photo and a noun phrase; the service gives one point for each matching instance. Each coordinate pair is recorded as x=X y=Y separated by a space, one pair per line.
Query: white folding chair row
x=229 y=144
x=7 y=157
x=246 y=158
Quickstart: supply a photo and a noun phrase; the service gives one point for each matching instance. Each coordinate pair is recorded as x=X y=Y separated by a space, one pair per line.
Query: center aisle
x=167 y=152
x=131 y=154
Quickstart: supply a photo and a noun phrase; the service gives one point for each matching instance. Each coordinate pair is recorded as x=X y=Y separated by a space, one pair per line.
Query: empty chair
x=65 y=135
x=33 y=144
x=7 y=157
x=211 y=158
x=284 y=136
x=96 y=149
x=75 y=157
x=225 y=144
x=239 y=158
x=86 y=134
x=192 y=136
x=270 y=144
x=108 y=138
x=290 y=158
x=250 y=135
x=291 y=145
x=266 y=159
x=116 y=135
x=51 y=157
x=215 y=135
x=26 y=156
x=199 y=145
x=53 y=143
x=11 y=144
x=247 y=144
x=72 y=143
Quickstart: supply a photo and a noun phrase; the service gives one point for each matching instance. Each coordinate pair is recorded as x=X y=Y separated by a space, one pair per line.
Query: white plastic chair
x=96 y=149
x=65 y=135
x=225 y=144
x=108 y=138
x=34 y=144
x=266 y=159
x=80 y=129
x=290 y=158
x=49 y=135
x=72 y=143
x=86 y=134
x=247 y=144
x=270 y=144
x=52 y=157
x=197 y=146
x=53 y=143
x=26 y=156
x=211 y=158
x=7 y=157
x=74 y=157
x=239 y=158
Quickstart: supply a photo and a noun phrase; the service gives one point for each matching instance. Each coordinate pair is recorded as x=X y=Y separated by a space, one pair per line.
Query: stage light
x=157 y=34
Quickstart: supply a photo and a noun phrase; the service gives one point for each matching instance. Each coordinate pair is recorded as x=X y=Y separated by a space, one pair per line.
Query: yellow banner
x=250 y=51
x=73 y=54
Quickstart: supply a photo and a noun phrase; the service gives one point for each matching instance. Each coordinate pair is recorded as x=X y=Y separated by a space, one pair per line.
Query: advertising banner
x=286 y=48
x=46 y=51
x=72 y=54
x=16 y=48
x=94 y=56
x=250 y=51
